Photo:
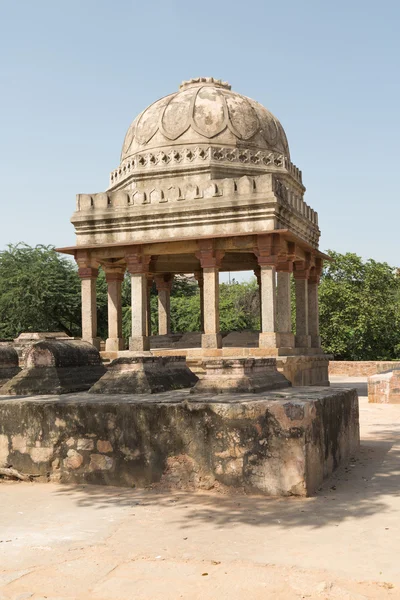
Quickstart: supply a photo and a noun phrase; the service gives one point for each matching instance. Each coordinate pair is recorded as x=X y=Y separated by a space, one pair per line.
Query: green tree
x=359 y=308
x=39 y=291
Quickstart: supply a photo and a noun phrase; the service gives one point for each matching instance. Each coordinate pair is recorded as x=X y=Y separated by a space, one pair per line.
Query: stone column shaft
x=164 y=284
x=313 y=314
x=148 y=305
x=284 y=309
x=302 y=335
x=211 y=337
x=269 y=337
x=88 y=277
x=137 y=265
x=257 y=273
x=210 y=262
x=200 y=280
x=115 y=340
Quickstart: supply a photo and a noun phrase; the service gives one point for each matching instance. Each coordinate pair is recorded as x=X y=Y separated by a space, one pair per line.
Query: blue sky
x=74 y=74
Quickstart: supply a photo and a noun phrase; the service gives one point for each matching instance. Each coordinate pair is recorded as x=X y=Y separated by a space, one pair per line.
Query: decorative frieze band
x=225 y=188
x=199 y=155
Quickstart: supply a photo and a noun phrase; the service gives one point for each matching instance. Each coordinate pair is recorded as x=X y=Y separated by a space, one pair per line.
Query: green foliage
x=359 y=309
x=39 y=291
x=239 y=306
x=185 y=313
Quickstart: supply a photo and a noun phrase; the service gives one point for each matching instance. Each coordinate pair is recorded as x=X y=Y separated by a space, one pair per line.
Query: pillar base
x=114 y=344
x=276 y=340
x=94 y=341
x=315 y=341
x=139 y=343
x=303 y=341
x=211 y=340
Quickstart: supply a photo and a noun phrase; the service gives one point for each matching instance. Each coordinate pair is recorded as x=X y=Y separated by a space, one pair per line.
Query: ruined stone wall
x=361 y=368
x=277 y=443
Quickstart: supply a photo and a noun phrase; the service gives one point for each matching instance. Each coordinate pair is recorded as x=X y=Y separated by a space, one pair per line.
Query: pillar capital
x=285 y=267
x=209 y=257
x=87 y=268
x=316 y=271
x=88 y=272
x=137 y=262
x=267 y=249
x=301 y=269
x=114 y=273
x=163 y=282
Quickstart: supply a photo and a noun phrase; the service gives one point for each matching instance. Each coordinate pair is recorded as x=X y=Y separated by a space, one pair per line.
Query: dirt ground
x=83 y=542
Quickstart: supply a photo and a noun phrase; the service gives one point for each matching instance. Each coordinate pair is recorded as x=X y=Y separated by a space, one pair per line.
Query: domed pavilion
x=205 y=184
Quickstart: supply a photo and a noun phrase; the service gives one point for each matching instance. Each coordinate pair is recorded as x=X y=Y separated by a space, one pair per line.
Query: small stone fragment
x=73 y=460
x=104 y=446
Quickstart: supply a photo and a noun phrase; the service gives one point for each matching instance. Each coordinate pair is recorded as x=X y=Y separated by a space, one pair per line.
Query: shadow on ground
x=360 y=489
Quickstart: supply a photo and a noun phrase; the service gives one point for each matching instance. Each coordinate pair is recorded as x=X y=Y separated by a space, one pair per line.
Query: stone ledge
x=276 y=443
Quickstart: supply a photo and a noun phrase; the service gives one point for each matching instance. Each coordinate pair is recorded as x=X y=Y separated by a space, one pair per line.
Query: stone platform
x=306 y=367
x=276 y=443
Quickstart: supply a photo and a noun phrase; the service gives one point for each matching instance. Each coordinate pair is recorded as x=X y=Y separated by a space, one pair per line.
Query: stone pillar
x=148 y=304
x=269 y=332
x=164 y=284
x=301 y=273
x=88 y=277
x=267 y=255
x=257 y=273
x=313 y=310
x=114 y=278
x=137 y=265
x=200 y=280
x=210 y=261
x=284 y=307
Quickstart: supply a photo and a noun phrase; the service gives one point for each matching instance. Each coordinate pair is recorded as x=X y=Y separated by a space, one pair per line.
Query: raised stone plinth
x=57 y=367
x=305 y=370
x=145 y=375
x=238 y=375
x=8 y=363
x=384 y=388
x=278 y=443
x=27 y=339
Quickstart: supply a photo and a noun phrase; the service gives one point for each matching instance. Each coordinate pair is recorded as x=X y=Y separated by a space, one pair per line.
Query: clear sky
x=74 y=74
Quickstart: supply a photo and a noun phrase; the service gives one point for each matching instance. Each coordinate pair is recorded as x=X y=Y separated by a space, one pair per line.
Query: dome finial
x=204 y=81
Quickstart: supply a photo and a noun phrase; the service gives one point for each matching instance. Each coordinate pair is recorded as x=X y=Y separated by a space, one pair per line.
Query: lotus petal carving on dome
x=175 y=119
x=243 y=120
x=149 y=121
x=201 y=110
x=209 y=112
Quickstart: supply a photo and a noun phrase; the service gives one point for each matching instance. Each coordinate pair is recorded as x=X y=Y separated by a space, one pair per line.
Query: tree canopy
x=39 y=291
x=359 y=308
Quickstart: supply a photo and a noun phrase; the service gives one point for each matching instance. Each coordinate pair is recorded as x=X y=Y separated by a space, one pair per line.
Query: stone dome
x=205 y=111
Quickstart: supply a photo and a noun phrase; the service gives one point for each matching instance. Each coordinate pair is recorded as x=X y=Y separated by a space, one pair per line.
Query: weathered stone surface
x=145 y=375
x=276 y=443
x=361 y=368
x=8 y=363
x=239 y=375
x=241 y=339
x=384 y=387
x=27 y=339
x=57 y=367
x=305 y=370
x=73 y=460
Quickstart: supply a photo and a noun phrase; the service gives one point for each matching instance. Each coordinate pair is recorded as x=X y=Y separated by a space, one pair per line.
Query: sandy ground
x=84 y=542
